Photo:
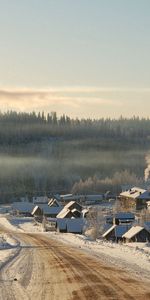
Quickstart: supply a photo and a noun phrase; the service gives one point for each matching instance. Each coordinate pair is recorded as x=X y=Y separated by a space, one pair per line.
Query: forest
x=43 y=154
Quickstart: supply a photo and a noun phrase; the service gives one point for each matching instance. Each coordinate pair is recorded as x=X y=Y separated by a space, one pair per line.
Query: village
x=100 y=236
x=125 y=218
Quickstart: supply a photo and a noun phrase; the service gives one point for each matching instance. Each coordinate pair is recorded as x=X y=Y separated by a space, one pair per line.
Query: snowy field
x=133 y=257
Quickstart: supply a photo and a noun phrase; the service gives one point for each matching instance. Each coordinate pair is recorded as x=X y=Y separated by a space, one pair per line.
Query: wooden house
x=45 y=210
x=71 y=210
x=137 y=234
x=134 y=198
x=115 y=232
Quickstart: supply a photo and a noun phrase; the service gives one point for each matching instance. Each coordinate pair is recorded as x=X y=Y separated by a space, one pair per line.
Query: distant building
x=24 y=199
x=121 y=218
x=134 y=198
x=72 y=210
x=54 y=203
x=45 y=210
x=82 y=199
x=22 y=208
x=40 y=200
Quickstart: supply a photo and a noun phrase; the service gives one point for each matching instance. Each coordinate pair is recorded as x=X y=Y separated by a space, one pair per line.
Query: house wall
x=127 y=203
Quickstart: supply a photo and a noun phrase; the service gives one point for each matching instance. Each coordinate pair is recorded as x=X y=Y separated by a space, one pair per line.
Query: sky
x=83 y=58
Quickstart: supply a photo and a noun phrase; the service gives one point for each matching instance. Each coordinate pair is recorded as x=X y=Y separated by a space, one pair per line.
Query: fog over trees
x=43 y=154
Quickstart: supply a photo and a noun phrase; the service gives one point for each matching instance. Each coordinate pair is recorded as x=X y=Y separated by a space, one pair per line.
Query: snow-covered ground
x=134 y=257
x=25 y=224
x=9 y=247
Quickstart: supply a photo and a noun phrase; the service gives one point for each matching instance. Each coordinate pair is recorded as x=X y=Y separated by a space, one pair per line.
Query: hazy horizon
x=81 y=58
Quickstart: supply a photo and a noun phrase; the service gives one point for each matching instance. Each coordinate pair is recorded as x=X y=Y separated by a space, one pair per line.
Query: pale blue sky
x=101 y=45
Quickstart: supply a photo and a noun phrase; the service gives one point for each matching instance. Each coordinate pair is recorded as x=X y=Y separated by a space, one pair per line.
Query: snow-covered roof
x=24 y=207
x=53 y=203
x=134 y=193
x=108 y=231
x=70 y=197
x=133 y=231
x=73 y=205
x=63 y=213
x=34 y=209
x=66 y=196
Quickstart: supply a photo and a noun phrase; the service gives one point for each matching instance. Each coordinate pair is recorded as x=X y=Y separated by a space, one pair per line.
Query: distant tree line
x=25 y=127
x=43 y=153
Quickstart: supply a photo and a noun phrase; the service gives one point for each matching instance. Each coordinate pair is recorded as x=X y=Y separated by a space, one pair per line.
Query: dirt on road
x=46 y=269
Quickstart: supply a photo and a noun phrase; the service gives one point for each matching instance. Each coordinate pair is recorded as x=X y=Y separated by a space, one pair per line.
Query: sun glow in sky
x=83 y=58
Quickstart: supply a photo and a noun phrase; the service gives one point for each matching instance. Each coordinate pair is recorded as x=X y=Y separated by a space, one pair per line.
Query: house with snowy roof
x=134 y=198
x=45 y=210
x=115 y=232
x=137 y=234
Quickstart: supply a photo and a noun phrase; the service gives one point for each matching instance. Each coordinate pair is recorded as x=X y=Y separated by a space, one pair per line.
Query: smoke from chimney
x=147 y=170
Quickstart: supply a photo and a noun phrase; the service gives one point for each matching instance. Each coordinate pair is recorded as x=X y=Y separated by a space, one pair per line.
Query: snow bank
x=5 y=222
x=8 y=248
x=20 y=224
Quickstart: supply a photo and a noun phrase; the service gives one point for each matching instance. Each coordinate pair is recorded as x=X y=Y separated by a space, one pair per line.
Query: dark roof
x=125 y=215
x=119 y=230
x=47 y=210
x=23 y=207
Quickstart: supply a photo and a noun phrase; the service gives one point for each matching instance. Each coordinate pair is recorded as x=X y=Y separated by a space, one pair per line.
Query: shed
x=137 y=234
x=116 y=232
x=40 y=200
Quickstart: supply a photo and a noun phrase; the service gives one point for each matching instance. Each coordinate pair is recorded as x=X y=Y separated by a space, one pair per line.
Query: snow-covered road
x=66 y=266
